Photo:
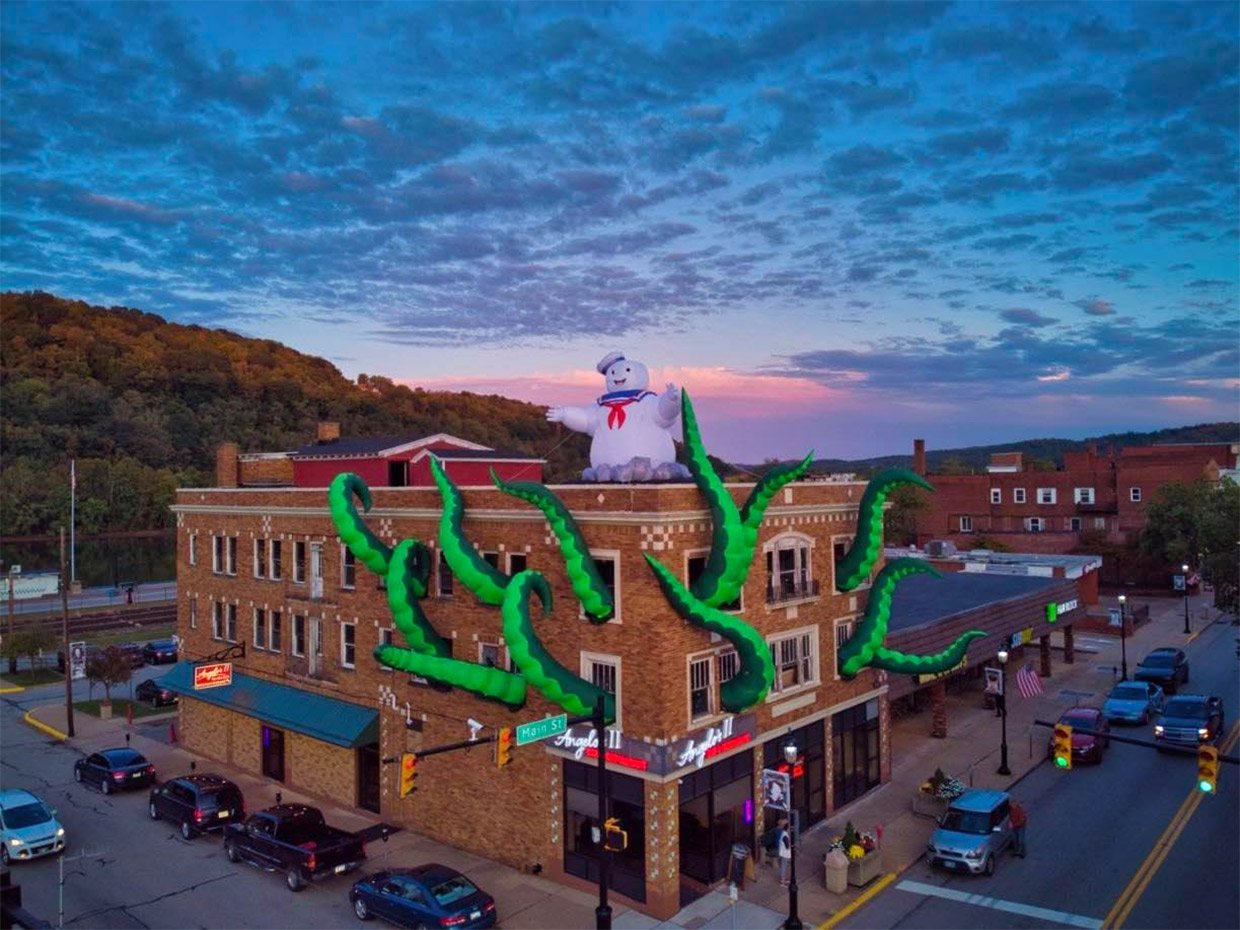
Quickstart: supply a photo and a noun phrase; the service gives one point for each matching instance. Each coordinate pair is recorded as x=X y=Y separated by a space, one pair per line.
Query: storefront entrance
x=809 y=795
x=368 y=777
x=627 y=803
x=716 y=810
x=854 y=752
x=273 y=753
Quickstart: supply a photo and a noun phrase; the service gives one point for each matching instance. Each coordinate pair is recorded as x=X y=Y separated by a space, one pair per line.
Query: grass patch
x=120 y=707
x=31 y=677
x=133 y=635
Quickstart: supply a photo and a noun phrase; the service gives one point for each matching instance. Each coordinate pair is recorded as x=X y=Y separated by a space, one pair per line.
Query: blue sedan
x=1133 y=702
x=424 y=896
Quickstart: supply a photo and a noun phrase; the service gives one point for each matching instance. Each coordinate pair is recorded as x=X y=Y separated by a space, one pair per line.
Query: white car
x=28 y=827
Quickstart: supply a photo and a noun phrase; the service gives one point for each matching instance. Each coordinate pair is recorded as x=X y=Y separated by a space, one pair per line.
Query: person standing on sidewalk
x=783 y=844
x=1020 y=820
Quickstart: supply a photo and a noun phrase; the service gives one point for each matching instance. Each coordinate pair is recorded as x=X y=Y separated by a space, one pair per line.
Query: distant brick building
x=1049 y=511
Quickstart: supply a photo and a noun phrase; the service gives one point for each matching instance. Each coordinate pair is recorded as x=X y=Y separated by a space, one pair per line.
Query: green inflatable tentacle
x=766 y=488
x=406 y=577
x=484 y=680
x=757 y=672
x=486 y=581
x=596 y=598
x=728 y=563
x=905 y=664
x=553 y=680
x=861 y=648
x=853 y=568
x=366 y=547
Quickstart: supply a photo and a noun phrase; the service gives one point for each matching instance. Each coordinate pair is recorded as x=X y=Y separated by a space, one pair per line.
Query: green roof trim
x=323 y=718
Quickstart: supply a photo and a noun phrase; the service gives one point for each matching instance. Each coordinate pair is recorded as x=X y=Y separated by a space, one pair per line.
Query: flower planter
x=105 y=710
x=864 y=870
x=929 y=805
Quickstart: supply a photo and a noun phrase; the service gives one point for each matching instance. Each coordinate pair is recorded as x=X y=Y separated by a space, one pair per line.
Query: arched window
x=789 y=568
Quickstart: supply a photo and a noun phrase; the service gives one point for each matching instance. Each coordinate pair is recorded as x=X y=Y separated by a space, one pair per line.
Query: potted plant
x=936 y=793
x=864 y=861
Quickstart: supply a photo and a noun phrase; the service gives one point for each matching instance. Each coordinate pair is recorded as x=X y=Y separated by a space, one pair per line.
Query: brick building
x=1049 y=511
x=261 y=565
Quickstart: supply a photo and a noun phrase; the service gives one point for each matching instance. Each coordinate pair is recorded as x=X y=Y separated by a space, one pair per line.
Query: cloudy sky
x=841 y=226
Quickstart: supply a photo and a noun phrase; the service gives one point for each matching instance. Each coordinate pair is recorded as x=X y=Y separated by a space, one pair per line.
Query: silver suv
x=975 y=829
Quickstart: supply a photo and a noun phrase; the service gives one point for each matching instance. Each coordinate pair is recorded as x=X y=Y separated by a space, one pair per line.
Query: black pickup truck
x=293 y=839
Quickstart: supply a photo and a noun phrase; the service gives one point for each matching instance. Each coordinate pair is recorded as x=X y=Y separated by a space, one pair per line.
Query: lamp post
x=794 y=921
x=1184 y=569
x=1123 y=638
x=1003 y=762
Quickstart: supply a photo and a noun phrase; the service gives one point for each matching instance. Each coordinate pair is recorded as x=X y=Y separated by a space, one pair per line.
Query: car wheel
x=152 y=810
x=293 y=879
x=360 y=909
x=187 y=832
x=77 y=774
x=4 y=854
x=230 y=850
x=106 y=785
x=989 y=867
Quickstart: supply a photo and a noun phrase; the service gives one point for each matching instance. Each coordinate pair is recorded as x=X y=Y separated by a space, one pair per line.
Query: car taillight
x=197 y=815
x=311 y=862
x=118 y=776
x=150 y=770
x=488 y=907
x=452 y=921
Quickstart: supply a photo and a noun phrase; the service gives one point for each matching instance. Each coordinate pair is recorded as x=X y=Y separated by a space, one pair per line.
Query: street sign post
x=541 y=729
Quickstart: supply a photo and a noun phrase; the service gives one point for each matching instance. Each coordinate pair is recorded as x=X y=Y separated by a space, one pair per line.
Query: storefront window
x=809 y=794
x=855 y=752
x=627 y=803
x=716 y=810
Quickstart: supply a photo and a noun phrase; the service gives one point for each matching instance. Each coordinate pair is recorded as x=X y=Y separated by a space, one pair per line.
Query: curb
x=11 y=689
x=50 y=731
x=858 y=902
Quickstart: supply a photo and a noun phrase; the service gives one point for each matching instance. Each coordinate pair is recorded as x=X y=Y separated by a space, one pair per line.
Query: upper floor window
x=1018 y=495
x=299 y=562
x=348 y=569
x=1046 y=495
x=608 y=565
x=260 y=628
x=603 y=672
x=1100 y=523
x=1134 y=495
x=996 y=495
x=217 y=554
x=276 y=643
x=516 y=563
x=299 y=634
x=695 y=566
x=492 y=655
x=1074 y=524
x=844 y=630
x=193 y=611
x=1083 y=495
x=701 y=690
x=444 y=575
x=193 y=548
x=966 y=524
x=348 y=644
x=796 y=660
x=1034 y=524
x=260 y=558
x=230 y=623
x=274 y=564
x=217 y=620
x=789 y=569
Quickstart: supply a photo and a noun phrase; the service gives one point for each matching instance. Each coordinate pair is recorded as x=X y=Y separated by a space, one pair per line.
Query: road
x=1130 y=842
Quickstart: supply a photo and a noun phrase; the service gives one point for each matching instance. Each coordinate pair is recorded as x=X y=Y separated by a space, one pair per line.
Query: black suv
x=1167 y=667
x=199 y=803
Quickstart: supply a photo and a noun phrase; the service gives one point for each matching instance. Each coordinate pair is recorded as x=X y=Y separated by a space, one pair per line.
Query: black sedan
x=160 y=652
x=155 y=693
x=424 y=896
x=1167 y=667
x=114 y=770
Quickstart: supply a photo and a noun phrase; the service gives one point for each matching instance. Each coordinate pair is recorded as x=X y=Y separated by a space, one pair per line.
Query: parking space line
x=1061 y=918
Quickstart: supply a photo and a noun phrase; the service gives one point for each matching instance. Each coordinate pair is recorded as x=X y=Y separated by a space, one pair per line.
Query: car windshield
x=966 y=821
x=453 y=890
x=26 y=816
x=1130 y=693
x=1194 y=710
x=1159 y=658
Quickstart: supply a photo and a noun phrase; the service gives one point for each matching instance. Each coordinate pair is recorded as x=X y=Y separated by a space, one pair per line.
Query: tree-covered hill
x=142 y=404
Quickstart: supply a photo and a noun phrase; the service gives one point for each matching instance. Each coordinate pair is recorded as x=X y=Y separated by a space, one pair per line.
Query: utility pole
x=602 y=914
x=9 y=634
x=64 y=613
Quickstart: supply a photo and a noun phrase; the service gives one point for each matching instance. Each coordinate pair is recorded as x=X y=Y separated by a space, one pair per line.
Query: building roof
x=441 y=444
x=474 y=454
x=364 y=445
x=924 y=599
x=987 y=561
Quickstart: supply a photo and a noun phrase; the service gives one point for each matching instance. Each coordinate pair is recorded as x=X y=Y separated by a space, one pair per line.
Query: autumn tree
x=109 y=668
x=1198 y=524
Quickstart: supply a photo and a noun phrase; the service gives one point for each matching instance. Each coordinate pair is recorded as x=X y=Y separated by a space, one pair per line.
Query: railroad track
x=102 y=620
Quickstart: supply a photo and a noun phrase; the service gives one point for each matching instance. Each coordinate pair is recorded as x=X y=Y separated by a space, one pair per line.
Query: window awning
x=325 y=718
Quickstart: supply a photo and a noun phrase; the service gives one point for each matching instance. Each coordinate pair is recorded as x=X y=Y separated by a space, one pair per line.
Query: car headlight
x=15 y=842
x=1203 y=732
x=974 y=854
x=1158 y=729
x=60 y=832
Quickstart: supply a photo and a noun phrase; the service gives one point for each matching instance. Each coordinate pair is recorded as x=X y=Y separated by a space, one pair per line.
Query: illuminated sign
x=932 y=676
x=215 y=675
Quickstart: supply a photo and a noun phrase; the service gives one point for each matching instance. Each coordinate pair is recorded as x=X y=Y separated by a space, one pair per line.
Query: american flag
x=1028 y=682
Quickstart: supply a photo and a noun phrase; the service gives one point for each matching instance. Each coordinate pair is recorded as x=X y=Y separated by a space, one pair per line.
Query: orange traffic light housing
x=1207 y=769
x=408 y=774
x=503 y=747
x=1061 y=745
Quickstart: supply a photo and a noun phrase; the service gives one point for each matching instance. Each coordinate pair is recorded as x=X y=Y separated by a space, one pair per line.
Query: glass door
x=273 y=753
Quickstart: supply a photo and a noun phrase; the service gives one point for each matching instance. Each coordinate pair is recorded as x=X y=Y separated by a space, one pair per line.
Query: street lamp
x=1003 y=765
x=1184 y=569
x=794 y=921
x=1123 y=638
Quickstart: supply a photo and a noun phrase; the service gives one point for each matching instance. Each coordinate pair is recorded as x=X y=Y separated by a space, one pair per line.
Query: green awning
x=329 y=719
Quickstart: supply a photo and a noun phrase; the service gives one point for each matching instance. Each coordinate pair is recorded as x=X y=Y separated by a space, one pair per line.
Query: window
x=492 y=559
x=348 y=569
x=966 y=524
x=230 y=559
x=788 y=570
x=843 y=633
x=193 y=548
x=996 y=495
x=299 y=563
x=603 y=672
x=1134 y=495
x=1083 y=495
x=796 y=660
x=193 y=611
x=491 y=655
x=729 y=665
x=695 y=566
x=1046 y=495
x=516 y=562
x=1100 y=523
x=299 y=634
x=348 y=644
x=1033 y=524
x=275 y=644
x=387 y=636
x=608 y=565
x=277 y=570
x=701 y=694
x=1018 y=495
x=217 y=620
x=260 y=558
x=260 y=628
x=230 y=626
x=445 y=576
x=1074 y=524
x=217 y=554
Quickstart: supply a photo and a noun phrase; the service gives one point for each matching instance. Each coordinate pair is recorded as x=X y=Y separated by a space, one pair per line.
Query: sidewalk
x=970 y=753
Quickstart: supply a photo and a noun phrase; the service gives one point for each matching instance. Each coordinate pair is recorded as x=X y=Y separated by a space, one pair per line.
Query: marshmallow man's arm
x=669 y=406
x=578 y=419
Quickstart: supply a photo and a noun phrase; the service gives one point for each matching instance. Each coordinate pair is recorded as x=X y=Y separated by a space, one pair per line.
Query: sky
x=839 y=226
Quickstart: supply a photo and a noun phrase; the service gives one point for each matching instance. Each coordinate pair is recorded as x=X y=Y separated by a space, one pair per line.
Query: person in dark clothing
x=1020 y=820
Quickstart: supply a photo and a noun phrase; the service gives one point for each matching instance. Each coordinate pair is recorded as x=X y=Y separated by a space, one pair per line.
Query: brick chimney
x=919 y=457
x=328 y=432
x=226 y=465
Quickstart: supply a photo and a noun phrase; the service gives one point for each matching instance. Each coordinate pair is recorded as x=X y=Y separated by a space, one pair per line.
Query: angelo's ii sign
x=215 y=675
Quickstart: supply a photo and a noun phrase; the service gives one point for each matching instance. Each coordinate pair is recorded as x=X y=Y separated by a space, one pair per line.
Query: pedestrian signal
x=503 y=747
x=1061 y=743
x=1207 y=769
x=614 y=838
x=408 y=774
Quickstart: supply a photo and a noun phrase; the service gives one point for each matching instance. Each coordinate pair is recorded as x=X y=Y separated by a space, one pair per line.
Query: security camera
x=474 y=727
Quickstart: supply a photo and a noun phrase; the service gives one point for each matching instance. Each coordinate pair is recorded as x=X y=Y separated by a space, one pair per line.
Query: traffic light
x=503 y=747
x=614 y=838
x=408 y=773
x=1061 y=743
x=1207 y=769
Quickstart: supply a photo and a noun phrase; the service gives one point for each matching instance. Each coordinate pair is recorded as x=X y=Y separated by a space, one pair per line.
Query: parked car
x=152 y=691
x=1086 y=747
x=296 y=840
x=133 y=652
x=160 y=652
x=975 y=829
x=1133 y=702
x=426 y=896
x=199 y=803
x=1190 y=719
x=1167 y=667
x=28 y=827
x=114 y=770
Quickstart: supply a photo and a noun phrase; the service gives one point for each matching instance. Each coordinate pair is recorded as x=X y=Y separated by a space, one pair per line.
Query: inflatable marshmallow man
x=630 y=426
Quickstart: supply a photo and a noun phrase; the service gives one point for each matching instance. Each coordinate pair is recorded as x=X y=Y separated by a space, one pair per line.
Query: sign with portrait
x=776 y=789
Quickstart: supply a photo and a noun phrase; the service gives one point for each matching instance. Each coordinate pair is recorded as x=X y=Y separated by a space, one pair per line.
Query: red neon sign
x=797 y=770
x=739 y=740
x=215 y=675
x=629 y=762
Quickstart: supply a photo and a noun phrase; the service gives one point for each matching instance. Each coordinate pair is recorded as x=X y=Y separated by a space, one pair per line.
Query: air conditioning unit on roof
x=940 y=547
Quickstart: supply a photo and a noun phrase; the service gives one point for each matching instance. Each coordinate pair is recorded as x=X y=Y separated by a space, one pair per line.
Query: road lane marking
x=1061 y=918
